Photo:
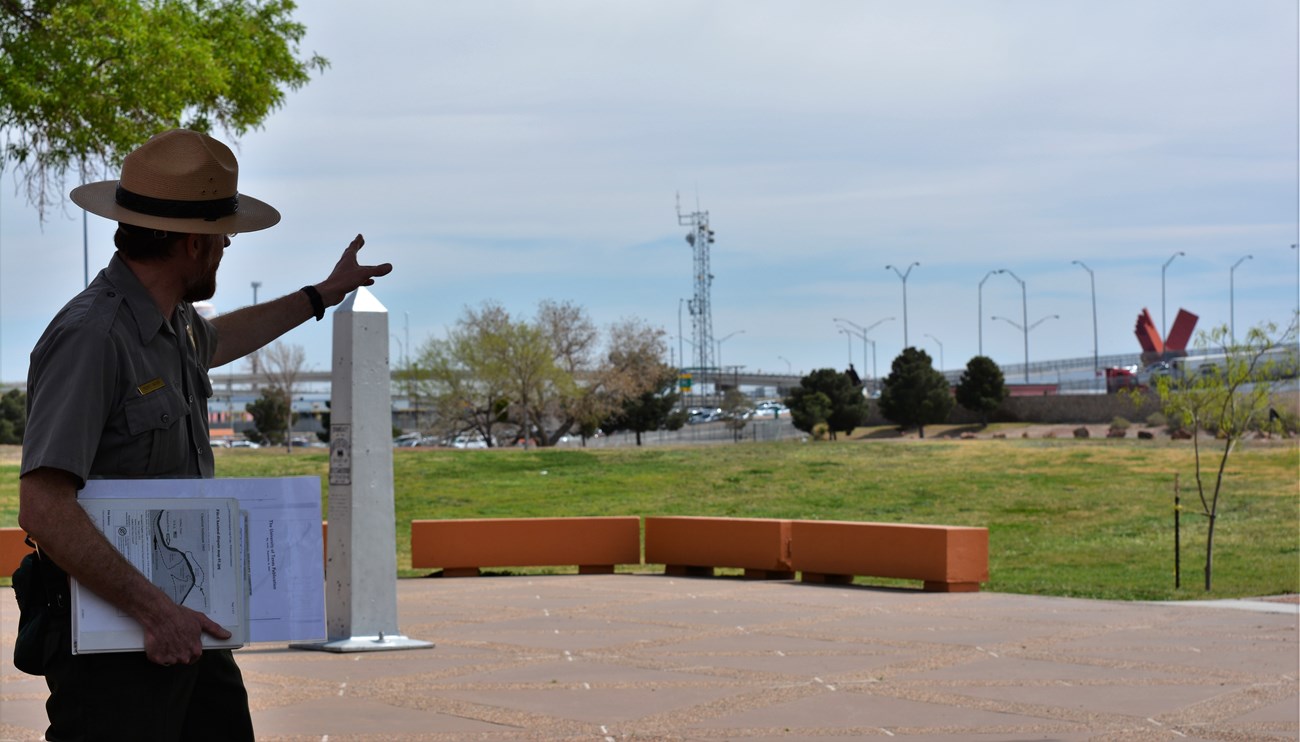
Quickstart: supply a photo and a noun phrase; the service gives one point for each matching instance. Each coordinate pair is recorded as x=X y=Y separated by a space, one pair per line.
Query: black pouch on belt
x=41 y=590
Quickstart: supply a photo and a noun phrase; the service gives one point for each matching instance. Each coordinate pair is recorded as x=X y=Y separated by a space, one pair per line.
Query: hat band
x=165 y=207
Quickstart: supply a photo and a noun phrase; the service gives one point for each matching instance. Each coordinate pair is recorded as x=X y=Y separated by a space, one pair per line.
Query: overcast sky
x=522 y=151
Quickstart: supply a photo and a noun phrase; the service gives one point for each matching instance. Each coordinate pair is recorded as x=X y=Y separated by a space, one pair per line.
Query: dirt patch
x=11 y=455
x=1005 y=430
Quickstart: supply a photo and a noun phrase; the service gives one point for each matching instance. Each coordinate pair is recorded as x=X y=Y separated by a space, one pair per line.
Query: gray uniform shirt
x=117 y=390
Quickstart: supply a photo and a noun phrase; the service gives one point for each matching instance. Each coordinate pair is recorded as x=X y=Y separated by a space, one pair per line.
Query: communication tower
x=699 y=238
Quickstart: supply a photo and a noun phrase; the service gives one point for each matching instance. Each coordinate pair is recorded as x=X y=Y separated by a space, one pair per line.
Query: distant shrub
x=1278 y=421
x=1157 y=420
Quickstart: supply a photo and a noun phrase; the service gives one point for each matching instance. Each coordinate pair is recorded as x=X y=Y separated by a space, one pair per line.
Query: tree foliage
x=982 y=387
x=651 y=409
x=914 y=393
x=840 y=404
x=460 y=375
x=634 y=384
x=271 y=417
x=735 y=410
x=13 y=417
x=547 y=377
x=282 y=364
x=1226 y=399
x=84 y=82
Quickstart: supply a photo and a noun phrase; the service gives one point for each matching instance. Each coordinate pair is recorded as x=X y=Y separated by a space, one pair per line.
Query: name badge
x=150 y=387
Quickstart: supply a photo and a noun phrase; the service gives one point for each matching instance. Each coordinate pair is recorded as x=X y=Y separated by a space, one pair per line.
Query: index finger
x=213 y=628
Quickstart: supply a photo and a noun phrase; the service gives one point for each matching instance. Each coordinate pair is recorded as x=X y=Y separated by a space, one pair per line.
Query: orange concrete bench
x=463 y=547
x=692 y=546
x=12 y=550
x=945 y=558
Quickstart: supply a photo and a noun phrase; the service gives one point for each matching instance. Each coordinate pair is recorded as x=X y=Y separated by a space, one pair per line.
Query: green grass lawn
x=1085 y=518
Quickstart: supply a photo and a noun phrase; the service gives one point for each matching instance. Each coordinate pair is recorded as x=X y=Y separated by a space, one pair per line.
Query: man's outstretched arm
x=245 y=330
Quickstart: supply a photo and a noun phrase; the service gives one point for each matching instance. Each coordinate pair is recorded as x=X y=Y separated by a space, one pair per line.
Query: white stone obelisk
x=361 y=567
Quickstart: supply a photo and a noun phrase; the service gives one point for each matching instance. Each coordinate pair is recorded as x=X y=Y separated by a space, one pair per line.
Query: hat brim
x=101 y=199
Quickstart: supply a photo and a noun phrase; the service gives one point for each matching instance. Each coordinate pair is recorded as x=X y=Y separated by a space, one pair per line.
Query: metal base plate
x=380 y=643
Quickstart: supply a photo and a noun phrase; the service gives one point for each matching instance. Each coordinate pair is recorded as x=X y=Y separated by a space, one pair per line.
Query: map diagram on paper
x=180 y=553
x=187 y=547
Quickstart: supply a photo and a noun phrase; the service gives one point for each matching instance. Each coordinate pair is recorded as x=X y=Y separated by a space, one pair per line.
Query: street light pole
x=848 y=334
x=680 y=350
x=1096 y=364
x=980 y=317
x=789 y=368
x=864 y=331
x=902 y=275
x=1024 y=316
x=252 y=358
x=861 y=332
x=873 y=362
x=719 y=346
x=1232 y=304
x=1025 y=329
x=1164 y=329
x=940 y=344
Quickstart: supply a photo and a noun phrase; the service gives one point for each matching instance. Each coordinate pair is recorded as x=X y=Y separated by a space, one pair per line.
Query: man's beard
x=203 y=289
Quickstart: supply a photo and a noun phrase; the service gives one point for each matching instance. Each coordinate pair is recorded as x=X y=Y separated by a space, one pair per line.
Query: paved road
x=657 y=658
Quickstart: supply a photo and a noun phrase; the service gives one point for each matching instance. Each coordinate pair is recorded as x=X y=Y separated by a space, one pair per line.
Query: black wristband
x=317 y=303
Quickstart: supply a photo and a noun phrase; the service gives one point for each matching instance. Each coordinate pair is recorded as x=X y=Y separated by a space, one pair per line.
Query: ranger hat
x=178 y=181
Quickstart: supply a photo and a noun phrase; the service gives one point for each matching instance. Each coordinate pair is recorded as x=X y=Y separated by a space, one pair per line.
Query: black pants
x=123 y=696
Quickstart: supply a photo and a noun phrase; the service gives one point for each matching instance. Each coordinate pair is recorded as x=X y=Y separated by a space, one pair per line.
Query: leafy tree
x=735 y=406
x=595 y=381
x=13 y=417
x=528 y=367
x=808 y=409
x=572 y=400
x=282 y=364
x=270 y=413
x=84 y=82
x=841 y=405
x=649 y=410
x=324 y=435
x=1226 y=403
x=463 y=378
x=982 y=387
x=549 y=376
x=914 y=393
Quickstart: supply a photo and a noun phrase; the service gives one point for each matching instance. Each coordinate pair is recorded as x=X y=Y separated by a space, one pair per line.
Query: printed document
x=188 y=548
x=282 y=539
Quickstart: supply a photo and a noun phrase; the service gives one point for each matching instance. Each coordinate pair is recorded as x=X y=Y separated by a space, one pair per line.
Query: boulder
x=1081 y=432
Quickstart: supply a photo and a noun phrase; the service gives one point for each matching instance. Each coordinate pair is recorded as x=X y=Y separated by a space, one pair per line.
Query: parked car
x=407 y=440
x=770 y=409
x=465 y=441
x=703 y=415
x=243 y=444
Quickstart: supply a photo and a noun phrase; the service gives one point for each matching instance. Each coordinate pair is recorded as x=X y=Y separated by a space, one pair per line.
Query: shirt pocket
x=157 y=422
